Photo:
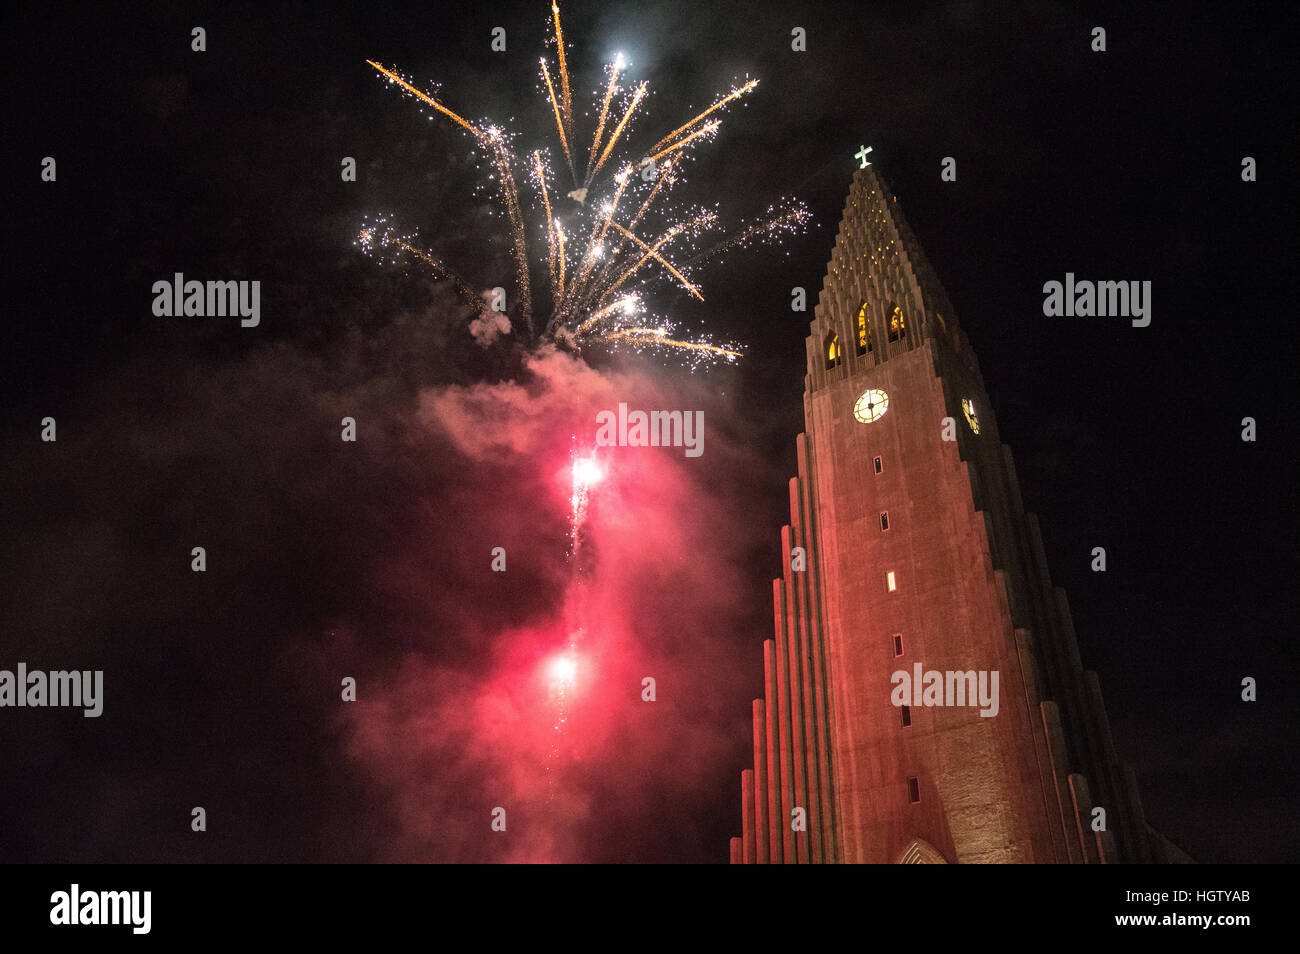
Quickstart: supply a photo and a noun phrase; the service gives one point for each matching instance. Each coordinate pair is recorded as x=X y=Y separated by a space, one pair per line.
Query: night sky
x=371 y=559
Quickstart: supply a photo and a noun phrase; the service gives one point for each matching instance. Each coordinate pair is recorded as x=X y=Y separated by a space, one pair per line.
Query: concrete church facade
x=915 y=582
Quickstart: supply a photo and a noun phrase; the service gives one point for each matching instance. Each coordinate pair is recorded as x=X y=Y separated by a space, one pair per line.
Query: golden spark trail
x=588 y=262
x=789 y=220
x=426 y=98
x=601 y=226
x=540 y=173
x=559 y=232
x=631 y=107
x=559 y=123
x=597 y=239
x=597 y=315
x=662 y=261
x=600 y=125
x=501 y=158
x=708 y=128
x=665 y=175
x=623 y=178
x=650 y=250
x=465 y=291
x=564 y=71
x=734 y=94
x=653 y=336
x=510 y=193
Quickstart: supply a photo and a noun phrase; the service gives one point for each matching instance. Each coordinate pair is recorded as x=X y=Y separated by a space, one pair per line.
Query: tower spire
x=880 y=297
x=909 y=561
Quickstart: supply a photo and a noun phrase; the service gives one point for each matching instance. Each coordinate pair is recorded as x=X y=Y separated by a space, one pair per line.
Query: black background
x=1117 y=165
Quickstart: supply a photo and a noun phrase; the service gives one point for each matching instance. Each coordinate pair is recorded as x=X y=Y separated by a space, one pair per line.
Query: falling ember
x=603 y=249
x=562 y=670
x=561 y=673
x=374 y=238
x=587 y=472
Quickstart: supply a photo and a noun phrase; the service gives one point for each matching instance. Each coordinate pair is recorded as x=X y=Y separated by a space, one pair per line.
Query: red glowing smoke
x=598 y=713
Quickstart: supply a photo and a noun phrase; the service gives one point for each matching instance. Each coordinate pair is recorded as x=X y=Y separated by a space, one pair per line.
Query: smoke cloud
x=372 y=560
x=490 y=324
x=662 y=603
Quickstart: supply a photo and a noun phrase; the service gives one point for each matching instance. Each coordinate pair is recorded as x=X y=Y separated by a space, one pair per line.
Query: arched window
x=897 y=328
x=833 y=351
x=865 y=344
x=921 y=853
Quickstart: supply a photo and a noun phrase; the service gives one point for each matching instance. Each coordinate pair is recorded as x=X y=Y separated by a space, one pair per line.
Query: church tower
x=909 y=553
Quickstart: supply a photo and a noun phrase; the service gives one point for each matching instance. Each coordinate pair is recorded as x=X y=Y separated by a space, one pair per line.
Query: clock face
x=968 y=409
x=871 y=406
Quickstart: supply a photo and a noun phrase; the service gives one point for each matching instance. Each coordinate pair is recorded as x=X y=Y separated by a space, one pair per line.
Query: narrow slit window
x=913 y=789
x=864 y=330
x=897 y=327
x=879 y=466
x=890 y=581
x=898 y=644
x=907 y=716
x=884 y=520
x=833 y=350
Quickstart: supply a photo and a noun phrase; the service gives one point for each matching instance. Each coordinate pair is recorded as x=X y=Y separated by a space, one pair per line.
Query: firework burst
x=615 y=238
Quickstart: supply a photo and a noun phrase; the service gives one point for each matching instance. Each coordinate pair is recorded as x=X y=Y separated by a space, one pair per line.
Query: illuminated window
x=884 y=520
x=897 y=328
x=833 y=351
x=879 y=466
x=864 y=330
x=907 y=716
x=913 y=789
x=898 y=644
x=890 y=581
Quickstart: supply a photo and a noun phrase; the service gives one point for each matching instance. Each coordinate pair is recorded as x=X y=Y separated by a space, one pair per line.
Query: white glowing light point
x=619 y=62
x=587 y=471
x=629 y=305
x=564 y=670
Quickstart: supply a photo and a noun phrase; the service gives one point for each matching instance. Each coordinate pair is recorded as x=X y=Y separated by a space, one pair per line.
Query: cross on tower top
x=861 y=156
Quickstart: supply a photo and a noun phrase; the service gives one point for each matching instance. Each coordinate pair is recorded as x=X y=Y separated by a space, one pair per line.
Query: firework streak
x=603 y=247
